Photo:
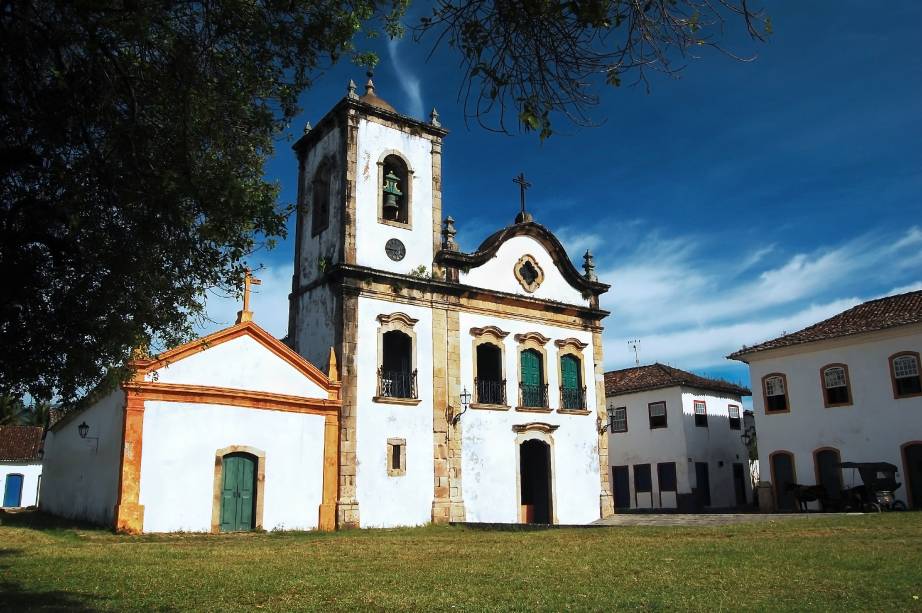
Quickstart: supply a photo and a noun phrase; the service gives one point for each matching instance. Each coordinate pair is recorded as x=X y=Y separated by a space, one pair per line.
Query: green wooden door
x=238 y=492
x=570 y=382
x=532 y=379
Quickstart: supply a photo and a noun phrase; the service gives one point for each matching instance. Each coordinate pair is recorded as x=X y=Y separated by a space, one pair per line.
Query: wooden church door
x=238 y=491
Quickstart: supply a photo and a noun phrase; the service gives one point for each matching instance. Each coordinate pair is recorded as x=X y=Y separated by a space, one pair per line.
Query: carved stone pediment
x=571 y=342
x=402 y=318
x=535 y=337
x=538 y=426
x=489 y=330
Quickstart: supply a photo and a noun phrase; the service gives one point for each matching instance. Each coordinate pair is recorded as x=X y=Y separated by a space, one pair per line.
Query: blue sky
x=725 y=207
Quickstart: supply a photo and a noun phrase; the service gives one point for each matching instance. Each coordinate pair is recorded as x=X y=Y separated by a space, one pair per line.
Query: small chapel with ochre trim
x=417 y=383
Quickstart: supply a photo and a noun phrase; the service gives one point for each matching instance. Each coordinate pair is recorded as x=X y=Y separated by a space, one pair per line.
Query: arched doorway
x=783 y=475
x=829 y=474
x=912 y=463
x=535 y=482
x=238 y=492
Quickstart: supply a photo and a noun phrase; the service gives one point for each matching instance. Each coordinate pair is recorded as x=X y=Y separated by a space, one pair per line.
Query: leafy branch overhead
x=134 y=134
x=541 y=58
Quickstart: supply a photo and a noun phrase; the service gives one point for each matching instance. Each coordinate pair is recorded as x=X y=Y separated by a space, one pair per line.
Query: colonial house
x=20 y=464
x=460 y=386
x=676 y=440
x=845 y=389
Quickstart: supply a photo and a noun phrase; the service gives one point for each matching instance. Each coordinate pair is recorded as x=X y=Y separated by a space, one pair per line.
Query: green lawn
x=871 y=562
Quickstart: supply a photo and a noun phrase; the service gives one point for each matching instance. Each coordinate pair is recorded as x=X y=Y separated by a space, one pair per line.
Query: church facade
x=417 y=327
x=448 y=386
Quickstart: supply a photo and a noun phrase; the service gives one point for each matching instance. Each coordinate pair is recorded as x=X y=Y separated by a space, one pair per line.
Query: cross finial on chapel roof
x=248 y=281
x=523 y=215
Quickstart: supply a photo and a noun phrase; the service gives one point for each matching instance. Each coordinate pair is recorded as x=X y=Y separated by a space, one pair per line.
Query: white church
x=417 y=383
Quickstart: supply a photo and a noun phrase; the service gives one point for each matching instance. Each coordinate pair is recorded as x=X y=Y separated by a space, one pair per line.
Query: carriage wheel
x=898 y=505
x=872 y=507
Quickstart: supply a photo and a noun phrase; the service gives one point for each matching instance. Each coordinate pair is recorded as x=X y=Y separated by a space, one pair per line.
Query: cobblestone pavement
x=702 y=519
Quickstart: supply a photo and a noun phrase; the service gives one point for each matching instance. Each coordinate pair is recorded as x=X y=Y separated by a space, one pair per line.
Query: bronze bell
x=391 y=192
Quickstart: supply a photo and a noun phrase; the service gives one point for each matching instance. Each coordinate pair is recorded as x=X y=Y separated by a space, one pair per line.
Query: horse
x=806 y=493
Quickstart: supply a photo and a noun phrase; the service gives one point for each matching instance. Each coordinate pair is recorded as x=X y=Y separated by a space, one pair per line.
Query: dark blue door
x=12 y=492
x=622 y=487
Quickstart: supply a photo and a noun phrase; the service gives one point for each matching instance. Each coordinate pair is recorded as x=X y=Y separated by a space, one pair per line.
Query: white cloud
x=409 y=82
x=269 y=303
x=691 y=309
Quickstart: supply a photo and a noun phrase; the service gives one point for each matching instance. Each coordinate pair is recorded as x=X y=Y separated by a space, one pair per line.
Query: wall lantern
x=83 y=429
x=465 y=404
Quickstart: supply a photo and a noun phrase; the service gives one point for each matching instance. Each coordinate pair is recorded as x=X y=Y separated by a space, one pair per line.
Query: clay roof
x=880 y=314
x=657 y=376
x=20 y=442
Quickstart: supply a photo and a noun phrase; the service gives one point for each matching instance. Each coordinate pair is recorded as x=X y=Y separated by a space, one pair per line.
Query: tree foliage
x=135 y=132
x=539 y=58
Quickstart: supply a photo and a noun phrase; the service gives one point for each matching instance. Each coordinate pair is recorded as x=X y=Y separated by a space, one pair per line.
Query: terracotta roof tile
x=880 y=314
x=20 y=442
x=656 y=376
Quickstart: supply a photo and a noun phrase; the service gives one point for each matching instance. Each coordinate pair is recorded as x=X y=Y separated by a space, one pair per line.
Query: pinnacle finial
x=332 y=368
x=370 y=86
x=307 y=127
x=448 y=234
x=434 y=118
x=589 y=266
x=351 y=90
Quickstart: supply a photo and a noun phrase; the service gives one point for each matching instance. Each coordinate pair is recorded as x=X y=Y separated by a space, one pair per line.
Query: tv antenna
x=635 y=346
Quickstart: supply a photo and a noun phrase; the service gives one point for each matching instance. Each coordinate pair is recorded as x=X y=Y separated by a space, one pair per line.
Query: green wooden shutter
x=569 y=370
x=532 y=378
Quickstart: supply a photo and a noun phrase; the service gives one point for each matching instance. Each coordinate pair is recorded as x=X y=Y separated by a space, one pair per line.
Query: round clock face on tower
x=395 y=249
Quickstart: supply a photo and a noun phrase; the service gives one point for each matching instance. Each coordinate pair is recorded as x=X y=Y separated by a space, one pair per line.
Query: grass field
x=859 y=563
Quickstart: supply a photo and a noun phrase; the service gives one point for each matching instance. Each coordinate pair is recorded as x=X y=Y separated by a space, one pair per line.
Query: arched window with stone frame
x=321 y=190
x=395 y=190
x=489 y=368
x=570 y=364
x=533 y=372
x=397 y=359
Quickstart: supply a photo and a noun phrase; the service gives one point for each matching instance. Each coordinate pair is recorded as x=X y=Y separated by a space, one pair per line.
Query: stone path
x=702 y=519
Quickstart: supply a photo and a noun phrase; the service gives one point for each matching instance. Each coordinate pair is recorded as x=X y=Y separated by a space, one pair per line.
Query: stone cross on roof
x=248 y=281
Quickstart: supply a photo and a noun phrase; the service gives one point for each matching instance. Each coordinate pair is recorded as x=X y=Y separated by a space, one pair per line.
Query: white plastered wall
x=178 y=463
x=717 y=445
x=374 y=140
x=80 y=476
x=872 y=429
x=498 y=273
x=642 y=445
x=406 y=500
x=489 y=465
x=241 y=363
x=328 y=243
x=30 y=471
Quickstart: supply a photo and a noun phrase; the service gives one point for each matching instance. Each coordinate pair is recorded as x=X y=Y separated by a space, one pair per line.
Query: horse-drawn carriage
x=875 y=494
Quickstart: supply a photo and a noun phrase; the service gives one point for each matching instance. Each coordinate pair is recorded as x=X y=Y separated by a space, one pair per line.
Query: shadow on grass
x=13 y=597
x=34 y=519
